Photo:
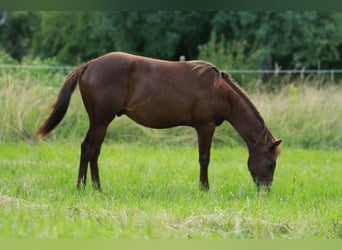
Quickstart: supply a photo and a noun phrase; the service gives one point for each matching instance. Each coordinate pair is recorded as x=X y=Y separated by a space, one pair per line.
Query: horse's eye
x=272 y=165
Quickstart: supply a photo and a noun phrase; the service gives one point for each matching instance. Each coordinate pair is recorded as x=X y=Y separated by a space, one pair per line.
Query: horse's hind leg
x=82 y=173
x=90 y=150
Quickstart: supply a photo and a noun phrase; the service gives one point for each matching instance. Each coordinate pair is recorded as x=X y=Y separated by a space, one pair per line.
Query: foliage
x=17 y=33
x=162 y=34
x=71 y=37
x=292 y=39
x=230 y=55
x=5 y=58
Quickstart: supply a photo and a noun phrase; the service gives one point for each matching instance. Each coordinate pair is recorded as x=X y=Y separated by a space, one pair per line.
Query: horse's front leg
x=205 y=135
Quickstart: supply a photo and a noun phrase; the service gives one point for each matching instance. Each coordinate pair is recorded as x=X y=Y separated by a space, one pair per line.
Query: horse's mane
x=230 y=81
x=201 y=67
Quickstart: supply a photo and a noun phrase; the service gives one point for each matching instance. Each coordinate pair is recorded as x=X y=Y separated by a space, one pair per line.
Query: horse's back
x=155 y=93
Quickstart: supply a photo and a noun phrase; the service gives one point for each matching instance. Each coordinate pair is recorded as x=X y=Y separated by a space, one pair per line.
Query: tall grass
x=304 y=115
x=304 y=112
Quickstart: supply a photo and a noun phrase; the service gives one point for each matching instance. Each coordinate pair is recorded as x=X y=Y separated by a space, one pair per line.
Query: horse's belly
x=165 y=110
x=158 y=118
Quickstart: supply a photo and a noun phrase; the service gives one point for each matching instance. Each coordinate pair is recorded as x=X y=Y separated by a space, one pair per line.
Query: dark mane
x=229 y=80
x=201 y=66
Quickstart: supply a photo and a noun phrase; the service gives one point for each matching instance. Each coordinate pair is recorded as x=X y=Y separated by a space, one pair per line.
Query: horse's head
x=262 y=162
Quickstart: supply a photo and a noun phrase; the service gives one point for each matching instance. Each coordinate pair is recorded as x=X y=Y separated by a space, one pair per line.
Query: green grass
x=152 y=192
x=150 y=177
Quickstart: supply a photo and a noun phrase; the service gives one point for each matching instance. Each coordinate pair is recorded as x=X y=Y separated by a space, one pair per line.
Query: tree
x=16 y=33
x=72 y=37
x=162 y=34
x=292 y=39
x=78 y=36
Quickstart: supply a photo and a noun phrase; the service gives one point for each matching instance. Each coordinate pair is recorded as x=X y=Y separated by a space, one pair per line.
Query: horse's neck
x=246 y=124
x=246 y=119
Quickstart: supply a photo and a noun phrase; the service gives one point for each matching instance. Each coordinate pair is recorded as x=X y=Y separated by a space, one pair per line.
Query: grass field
x=150 y=177
x=152 y=192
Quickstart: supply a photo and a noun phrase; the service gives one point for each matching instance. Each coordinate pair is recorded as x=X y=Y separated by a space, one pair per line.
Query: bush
x=230 y=55
x=6 y=59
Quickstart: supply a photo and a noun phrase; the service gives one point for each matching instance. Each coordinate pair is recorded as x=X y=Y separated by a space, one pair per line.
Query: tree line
x=290 y=39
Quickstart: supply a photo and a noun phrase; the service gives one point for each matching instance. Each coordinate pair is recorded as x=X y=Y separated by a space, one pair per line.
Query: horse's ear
x=276 y=143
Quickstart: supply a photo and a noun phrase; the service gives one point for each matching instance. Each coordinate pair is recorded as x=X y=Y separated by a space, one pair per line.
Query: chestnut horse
x=163 y=94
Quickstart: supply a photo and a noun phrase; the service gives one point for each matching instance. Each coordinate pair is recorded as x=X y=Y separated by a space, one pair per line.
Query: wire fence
x=244 y=77
x=236 y=71
x=23 y=66
x=285 y=71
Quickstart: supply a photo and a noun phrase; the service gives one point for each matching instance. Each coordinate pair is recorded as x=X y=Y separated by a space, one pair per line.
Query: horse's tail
x=61 y=105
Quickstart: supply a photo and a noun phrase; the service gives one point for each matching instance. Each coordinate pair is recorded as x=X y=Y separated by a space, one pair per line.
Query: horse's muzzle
x=263 y=185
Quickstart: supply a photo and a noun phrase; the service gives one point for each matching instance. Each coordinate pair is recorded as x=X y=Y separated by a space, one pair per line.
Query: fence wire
x=235 y=71
x=23 y=66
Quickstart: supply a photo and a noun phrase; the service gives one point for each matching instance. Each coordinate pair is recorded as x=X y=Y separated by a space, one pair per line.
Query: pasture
x=152 y=192
x=150 y=177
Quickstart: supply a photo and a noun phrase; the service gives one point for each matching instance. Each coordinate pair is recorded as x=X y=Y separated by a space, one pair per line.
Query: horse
x=163 y=94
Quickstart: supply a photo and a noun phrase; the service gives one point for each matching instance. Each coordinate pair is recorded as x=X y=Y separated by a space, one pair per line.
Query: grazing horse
x=163 y=94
